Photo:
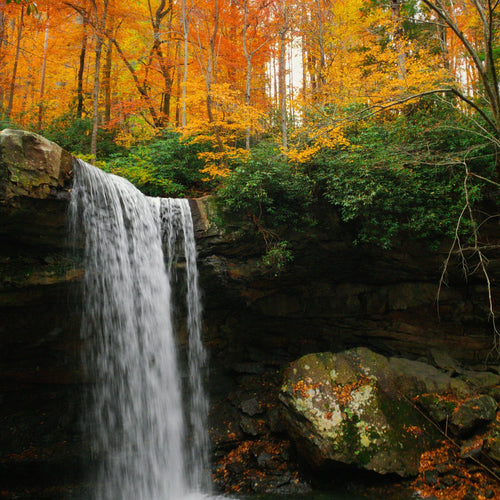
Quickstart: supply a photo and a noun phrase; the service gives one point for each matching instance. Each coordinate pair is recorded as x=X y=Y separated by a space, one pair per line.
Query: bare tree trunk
x=282 y=89
x=42 y=77
x=99 y=32
x=321 y=44
x=178 y=92
x=166 y=67
x=3 y=43
x=185 y=35
x=81 y=71
x=397 y=35
x=16 y=63
x=107 y=82
x=248 y=57
x=210 y=78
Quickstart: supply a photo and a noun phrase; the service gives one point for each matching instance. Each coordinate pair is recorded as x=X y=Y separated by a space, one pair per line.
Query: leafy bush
x=404 y=177
x=274 y=196
x=166 y=166
x=267 y=189
x=75 y=136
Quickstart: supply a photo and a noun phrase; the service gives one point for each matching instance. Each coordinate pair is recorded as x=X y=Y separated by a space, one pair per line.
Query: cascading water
x=136 y=425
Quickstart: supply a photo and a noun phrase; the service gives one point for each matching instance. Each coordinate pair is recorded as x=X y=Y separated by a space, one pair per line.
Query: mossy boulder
x=35 y=180
x=473 y=414
x=344 y=409
x=31 y=166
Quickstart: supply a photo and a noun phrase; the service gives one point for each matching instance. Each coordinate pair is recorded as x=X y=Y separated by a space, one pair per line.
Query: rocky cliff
x=334 y=296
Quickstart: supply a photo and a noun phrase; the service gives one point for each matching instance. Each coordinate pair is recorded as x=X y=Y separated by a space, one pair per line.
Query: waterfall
x=149 y=442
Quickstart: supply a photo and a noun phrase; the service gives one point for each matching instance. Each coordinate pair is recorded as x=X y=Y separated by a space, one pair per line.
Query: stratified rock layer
x=40 y=375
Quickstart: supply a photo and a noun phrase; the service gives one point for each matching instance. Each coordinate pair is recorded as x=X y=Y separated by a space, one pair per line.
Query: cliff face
x=337 y=295
x=39 y=359
x=333 y=296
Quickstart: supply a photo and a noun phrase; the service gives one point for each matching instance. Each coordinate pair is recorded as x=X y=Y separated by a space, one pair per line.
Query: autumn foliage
x=224 y=71
x=338 y=92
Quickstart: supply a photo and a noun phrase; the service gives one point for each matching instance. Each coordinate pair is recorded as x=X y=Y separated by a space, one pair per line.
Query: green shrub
x=267 y=190
x=165 y=166
x=403 y=178
x=75 y=136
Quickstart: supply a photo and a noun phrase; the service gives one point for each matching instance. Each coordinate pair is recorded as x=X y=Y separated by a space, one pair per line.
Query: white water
x=148 y=444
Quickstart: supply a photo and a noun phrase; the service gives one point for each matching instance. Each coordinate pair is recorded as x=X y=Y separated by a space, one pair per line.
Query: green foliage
x=267 y=189
x=165 y=166
x=75 y=134
x=404 y=177
x=278 y=257
x=273 y=195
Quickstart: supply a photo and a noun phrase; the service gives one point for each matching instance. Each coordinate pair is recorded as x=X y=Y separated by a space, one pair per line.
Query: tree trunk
x=81 y=70
x=248 y=84
x=107 y=82
x=99 y=32
x=185 y=34
x=163 y=60
x=282 y=89
x=321 y=43
x=3 y=43
x=42 y=77
x=16 y=63
x=398 y=36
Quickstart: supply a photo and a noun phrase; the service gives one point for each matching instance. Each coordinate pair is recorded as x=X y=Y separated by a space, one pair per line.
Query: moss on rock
x=337 y=410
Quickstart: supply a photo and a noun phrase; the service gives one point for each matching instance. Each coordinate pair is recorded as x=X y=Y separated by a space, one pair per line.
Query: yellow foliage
x=231 y=120
x=328 y=137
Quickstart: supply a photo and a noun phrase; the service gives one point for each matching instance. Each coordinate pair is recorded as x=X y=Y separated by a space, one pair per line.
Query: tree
x=254 y=21
x=19 y=32
x=480 y=49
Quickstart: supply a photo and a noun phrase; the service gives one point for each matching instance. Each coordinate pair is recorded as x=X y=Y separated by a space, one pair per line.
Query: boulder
x=472 y=414
x=35 y=178
x=492 y=442
x=345 y=409
x=437 y=407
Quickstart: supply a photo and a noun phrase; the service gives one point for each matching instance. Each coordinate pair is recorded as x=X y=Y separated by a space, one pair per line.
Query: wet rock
x=449 y=480
x=437 y=407
x=471 y=448
x=443 y=360
x=263 y=459
x=414 y=378
x=482 y=381
x=251 y=407
x=293 y=488
x=472 y=414
x=471 y=493
x=431 y=477
x=248 y=426
x=492 y=442
x=274 y=420
x=494 y=392
x=35 y=176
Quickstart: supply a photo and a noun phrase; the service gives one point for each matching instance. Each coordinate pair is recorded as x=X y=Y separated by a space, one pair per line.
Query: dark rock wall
x=334 y=296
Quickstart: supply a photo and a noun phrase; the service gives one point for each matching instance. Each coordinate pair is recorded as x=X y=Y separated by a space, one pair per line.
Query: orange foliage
x=340 y=54
x=446 y=460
